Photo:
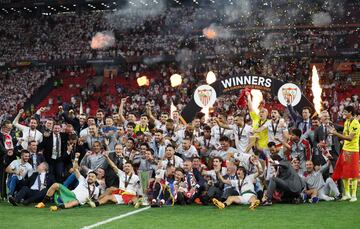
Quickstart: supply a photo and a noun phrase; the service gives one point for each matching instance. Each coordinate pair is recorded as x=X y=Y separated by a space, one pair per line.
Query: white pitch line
x=115 y=218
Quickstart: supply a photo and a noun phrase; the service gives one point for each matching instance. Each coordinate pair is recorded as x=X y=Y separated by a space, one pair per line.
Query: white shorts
x=119 y=199
x=245 y=198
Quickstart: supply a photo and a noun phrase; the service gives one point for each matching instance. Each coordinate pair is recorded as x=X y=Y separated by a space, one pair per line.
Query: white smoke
x=135 y=13
x=237 y=10
x=321 y=19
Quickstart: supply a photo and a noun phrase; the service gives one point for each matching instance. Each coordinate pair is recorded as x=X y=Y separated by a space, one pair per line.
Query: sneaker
x=267 y=203
x=12 y=201
x=254 y=204
x=330 y=199
x=138 y=202
x=218 y=203
x=197 y=201
x=161 y=202
x=53 y=208
x=345 y=198
x=314 y=200
x=40 y=205
x=338 y=197
x=90 y=203
x=353 y=199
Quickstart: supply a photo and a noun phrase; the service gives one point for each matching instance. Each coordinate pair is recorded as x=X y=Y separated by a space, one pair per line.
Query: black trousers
x=29 y=195
x=229 y=192
x=57 y=168
x=280 y=185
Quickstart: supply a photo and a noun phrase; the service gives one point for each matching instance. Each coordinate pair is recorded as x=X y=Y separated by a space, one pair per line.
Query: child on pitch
x=64 y=198
x=245 y=185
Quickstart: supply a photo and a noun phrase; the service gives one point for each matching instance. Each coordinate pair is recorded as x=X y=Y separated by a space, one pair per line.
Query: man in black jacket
x=286 y=181
x=54 y=149
x=35 y=187
x=325 y=141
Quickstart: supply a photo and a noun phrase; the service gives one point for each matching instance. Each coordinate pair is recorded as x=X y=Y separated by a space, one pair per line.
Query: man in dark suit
x=35 y=187
x=54 y=148
x=325 y=142
x=302 y=121
x=35 y=157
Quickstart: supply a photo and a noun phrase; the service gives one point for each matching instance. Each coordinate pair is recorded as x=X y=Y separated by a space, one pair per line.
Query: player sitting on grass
x=244 y=185
x=163 y=191
x=64 y=198
x=129 y=185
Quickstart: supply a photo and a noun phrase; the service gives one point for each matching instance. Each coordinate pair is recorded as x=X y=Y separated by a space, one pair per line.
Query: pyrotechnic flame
x=142 y=81
x=206 y=111
x=257 y=97
x=175 y=80
x=81 y=107
x=172 y=109
x=209 y=33
x=210 y=77
x=102 y=40
x=316 y=90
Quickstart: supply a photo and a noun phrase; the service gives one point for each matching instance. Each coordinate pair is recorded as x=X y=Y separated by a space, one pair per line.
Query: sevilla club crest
x=205 y=96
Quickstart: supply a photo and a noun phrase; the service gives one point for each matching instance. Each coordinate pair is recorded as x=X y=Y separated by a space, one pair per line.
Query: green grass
x=321 y=215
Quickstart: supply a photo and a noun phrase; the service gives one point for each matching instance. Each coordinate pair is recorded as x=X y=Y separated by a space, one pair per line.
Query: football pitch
x=321 y=215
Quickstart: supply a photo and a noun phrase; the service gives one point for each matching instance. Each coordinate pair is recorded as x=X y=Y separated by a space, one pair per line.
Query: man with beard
x=18 y=171
x=171 y=159
x=158 y=144
x=129 y=186
x=276 y=128
x=187 y=151
x=64 y=198
x=316 y=187
x=242 y=132
x=34 y=188
x=54 y=149
x=244 y=186
x=28 y=133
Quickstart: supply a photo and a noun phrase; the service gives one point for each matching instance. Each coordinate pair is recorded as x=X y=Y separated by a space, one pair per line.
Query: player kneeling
x=244 y=186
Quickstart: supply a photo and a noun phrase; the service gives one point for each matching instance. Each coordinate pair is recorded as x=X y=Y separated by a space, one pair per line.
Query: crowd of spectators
x=17 y=86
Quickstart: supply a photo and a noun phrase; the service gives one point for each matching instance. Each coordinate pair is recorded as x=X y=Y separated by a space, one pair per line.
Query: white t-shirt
x=82 y=191
x=28 y=135
x=26 y=168
x=217 y=131
x=176 y=161
x=160 y=125
x=275 y=130
x=212 y=173
x=222 y=153
x=189 y=153
x=133 y=182
x=245 y=185
x=242 y=141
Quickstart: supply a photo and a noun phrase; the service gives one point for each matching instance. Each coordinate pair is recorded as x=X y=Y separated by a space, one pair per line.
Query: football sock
x=346 y=187
x=354 y=183
x=46 y=199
